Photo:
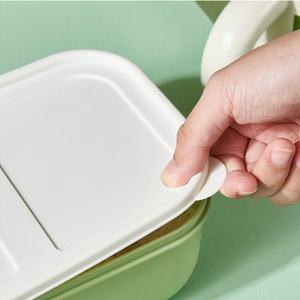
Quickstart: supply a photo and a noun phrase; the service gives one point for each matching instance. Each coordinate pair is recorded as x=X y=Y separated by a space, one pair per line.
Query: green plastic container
x=156 y=270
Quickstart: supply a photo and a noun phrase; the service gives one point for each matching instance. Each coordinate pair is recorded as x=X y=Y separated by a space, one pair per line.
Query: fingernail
x=169 y=172
x=281 y=156
x=246 y=193
x=297 y=159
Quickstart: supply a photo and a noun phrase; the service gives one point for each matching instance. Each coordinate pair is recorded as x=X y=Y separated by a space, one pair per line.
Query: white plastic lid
x=84 y=136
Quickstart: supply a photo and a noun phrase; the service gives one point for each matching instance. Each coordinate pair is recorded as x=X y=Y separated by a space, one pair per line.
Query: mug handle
x=236 y=31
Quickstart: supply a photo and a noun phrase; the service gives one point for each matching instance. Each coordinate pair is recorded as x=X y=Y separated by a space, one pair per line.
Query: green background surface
x=296 y=25
x=250 y=248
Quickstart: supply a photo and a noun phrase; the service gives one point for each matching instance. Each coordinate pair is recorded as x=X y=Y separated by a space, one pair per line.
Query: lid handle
x=215 y=177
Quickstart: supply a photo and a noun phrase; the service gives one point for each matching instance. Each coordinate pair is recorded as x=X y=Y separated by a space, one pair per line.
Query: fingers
x=272 y=168
x=230 y=149
x=239 y=184
x=203 y=127
x=289 y=193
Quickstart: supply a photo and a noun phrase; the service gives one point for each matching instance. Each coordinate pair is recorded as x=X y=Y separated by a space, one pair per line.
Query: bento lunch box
x=84 y=138
x=156 y=270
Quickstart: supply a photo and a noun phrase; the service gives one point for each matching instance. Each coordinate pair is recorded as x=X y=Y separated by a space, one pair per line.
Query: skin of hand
x=248 y=117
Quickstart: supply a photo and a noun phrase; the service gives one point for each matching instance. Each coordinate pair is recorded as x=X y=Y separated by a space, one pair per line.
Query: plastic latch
x=215 y=177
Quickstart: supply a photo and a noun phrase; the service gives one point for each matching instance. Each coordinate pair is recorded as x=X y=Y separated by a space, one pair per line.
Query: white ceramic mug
x=242 y=26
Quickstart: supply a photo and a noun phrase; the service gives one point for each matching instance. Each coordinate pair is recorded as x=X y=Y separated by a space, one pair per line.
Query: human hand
x=249 y=118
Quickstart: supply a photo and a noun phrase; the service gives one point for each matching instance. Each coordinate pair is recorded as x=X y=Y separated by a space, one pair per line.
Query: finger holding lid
x=201 y=129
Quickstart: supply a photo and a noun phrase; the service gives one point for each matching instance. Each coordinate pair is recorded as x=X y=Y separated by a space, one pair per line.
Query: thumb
x=205 y=124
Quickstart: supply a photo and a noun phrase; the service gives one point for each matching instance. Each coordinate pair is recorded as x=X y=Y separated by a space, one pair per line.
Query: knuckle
x=279 y=201
x=285 y=199
x=295 y=184
x=289 y=193
x=272 y=180
x=227 y=87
